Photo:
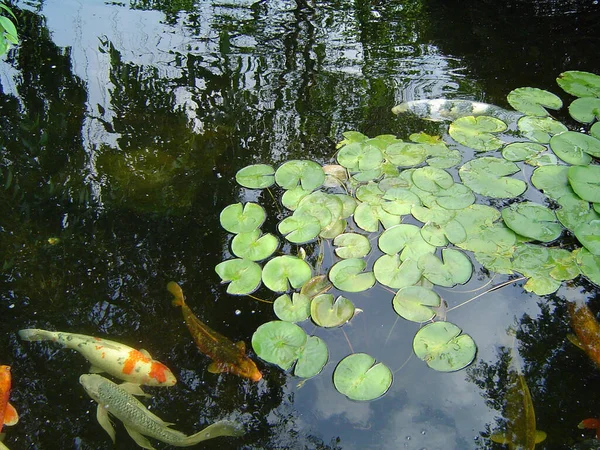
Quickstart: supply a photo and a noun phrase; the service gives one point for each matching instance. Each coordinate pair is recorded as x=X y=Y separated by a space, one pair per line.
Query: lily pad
x=253 y=246
x=279 y=342
x=295 y=309
x=404 y=238
x=300 y=228
x=394 y=273
x=589 y=265
x=307 y=174
x=531 y=101
x=585 y=181
x=520 y=151
x=532 y=220
x=476 y=132
x=348 y=205
x=457 y=196
x=316 y=285
x=540 y=129
x=487 y=176
x=536 y=262
x=580 y=84
x=456 y=268
x=574 y=211
x=399 y=201
x=370 y=193
x=368 y=217
x=405 y=154
x=358 y=377
x=237 y=219
x=348 y=275
x=553 y=181
x=585 y=110
x=442 y=346
x=319 y=210
x=575 y=148
x=352 y=245
x=360 y=157
x=243 y=275
x=281 y=269
x=432 y=179
x=257 y=176
x=328 y=314
x=589 y=236
x=312 y=357
x=433 y=234
x=292 y=197
x=416 y=303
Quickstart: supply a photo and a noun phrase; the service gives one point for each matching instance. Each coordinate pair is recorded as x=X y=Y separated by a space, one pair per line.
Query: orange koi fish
x=116 y=359
x=590 y=423
x=227 y=357
x=8 y=414
x=587 y=330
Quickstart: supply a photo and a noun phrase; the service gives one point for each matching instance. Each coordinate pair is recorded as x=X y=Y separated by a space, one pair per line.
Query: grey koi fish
x=441 y=109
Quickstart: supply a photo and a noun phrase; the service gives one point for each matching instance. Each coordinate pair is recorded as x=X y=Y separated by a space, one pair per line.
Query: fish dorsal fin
x=95 y=369
x=216 y=367
x=539 y=436
x=145 y=353
x=133 y=389
x=11 y=417
x=241 y=346
x=138 y=438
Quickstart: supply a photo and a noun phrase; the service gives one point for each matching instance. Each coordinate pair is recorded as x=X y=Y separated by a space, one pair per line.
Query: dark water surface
x=122 y=127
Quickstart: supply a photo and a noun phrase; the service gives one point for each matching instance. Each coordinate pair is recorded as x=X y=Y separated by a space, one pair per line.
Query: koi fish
x=590 y=423
x=227 y=357
x=8 y=414
x=441 y=109
x=116 y=359
x=587 y=330
x=119 y=401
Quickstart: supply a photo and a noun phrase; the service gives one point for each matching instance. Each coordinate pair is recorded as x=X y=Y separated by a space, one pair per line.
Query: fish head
x=247 y=368
x=91 y=383
x=160 y=375
x=5 y=377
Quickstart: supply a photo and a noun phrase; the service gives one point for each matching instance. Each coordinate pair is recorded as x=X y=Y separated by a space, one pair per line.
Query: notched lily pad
x=295 y=309
x=348 y=275
x=476 y=132
x=394 y=273
x=487 y=176
x=575 y=148
x=257 y=176
x=580 y=84
x=589 y=236
x=540 y=129
x=360 y=157
x=281 y=269
x=585 y=110
x=316 y=285
x=442 y=346
x=312 y=357
x=358 y=377
x=352 y=245
x=242 y=219
x=416 y=303
x=585 y=181
x=253 y=246
x=279 y=342
x=328 y=313
x=307 y=174
x=532 y=220
x=456 y=268
x=520 y=151
x=531 y=101
x=300 y=228
x=432 y=179
x=244 y=275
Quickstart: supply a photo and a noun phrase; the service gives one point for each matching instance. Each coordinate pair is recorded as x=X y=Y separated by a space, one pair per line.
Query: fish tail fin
x=221 y=428
x=35 y=334
x=177 y=292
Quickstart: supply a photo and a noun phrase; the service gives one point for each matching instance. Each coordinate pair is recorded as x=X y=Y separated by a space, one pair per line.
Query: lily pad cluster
x=410 y=215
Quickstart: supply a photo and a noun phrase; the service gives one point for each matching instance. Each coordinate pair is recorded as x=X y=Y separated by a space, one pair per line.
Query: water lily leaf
x=589 y=236
x=404 y=238
x=307 y=174
x=477 y=217
x=589 y=265
x=279 y=342
x=332 y=202
x=328 y=314
x=536 y=262
x=405 y=154
x=257 y=176
x=531 y=101
x=348 y=205
x=253 y=246
x=316 y=285
x=243 y=274
x=281 y=269
x=585 y=110
x=315 y=209
x=540 y=129
x=475 y=132
x=360 y=157
x=300 y=229
x=390 y=271
x=334 y=230
x=575 y=148
x=401 y=182
x=399 y=201
x=585 y=181
x=295 y=309
x=237 y=219
x=574 y=211
x=432 y=179
x=416 y=303
x=370 y=193
x=368 y=217
x=566 y=267
x=532 y=220
x=292 y=197
x=553 y=181
x=359 y=378
x=442 y=346
x=350 y=137
x=520 y=151
x=435 y=213
x=580 y=84
x=433 y=234
x=546 y=159
x=487 y=176
x=367 y=175
x=312 y=357
x=457 y=196
x=454 y=231
x=450 y=159
x=595 y=130
x=347 y=275
x=352 y=245
x=456 y=268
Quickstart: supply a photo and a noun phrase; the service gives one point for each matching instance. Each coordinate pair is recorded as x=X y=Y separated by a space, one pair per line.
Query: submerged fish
x=591 y=423
x=440 y=109
x=118 y=360
x=119 y=401
x=587 y=330
x=8 y=414
x=227 y=356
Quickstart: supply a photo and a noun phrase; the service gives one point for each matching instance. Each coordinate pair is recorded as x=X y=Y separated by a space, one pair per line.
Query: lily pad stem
x=506 y=283
x=274 y=200
x=259 y=299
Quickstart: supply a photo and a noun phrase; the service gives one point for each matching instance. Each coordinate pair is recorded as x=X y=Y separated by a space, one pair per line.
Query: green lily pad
x=367 y=175
x=595 y=130
x=566 y=267
x=432 y=179
x=433 y=234
x=476 y=132
x=279 y=342
x=457 y=196
x=328 y=314
x=435 y=213
x=292 y=197
x=370 y=193
x=307 y=174
x=347 y=275
x=257 y=176
x=416 y=303
x=589 y=265
x=243 y=274
x=281 y=269
x=449 y=159
x=456 y=268
x=532 y=220
x=575 y=148
x=574 y=211
x=359 y=378
x=315 y=209
x=540 y=129
x=531 y=101
x=348 y=205
x=312 y=357
x=589 y=236
x=368 y=217
x=585 y=181
x=442 y=346
x=391 y=272
x=553 y=181
x=520 y=151
x=253 y=246
x=580 y=84
x=399 y=201
x=316 y=285
x=487 y=176
x=404 y=238
x=295 y=309
x=360 y=157
x=585 y=110
x=536 y=262
x=405 y=154
x=352 y=245
x=300 y=228
x=237 y=219
x=334 y=230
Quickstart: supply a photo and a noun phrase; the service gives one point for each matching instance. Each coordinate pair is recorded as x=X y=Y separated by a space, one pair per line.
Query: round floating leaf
x=257 y=176
x=520 y=151
x=585 y=109
x=370 y=193
x=532 y=220
x=334 y=229
x=405 y=154
x=359 y=378
x=279 y=342
x=404 y=238
x=433 y=234
x=431 y=179
x=315 y=286
x=416 y=303
x=553 y=181
x=574 y=211
x=317 y=209
x=237 y=219
x=390 y=271
x=475 y=132
x=352 y=245
x=575 y=148
x=348 y=275
x=399 y=201
x=595 y=130
x=455 y=269
x=486 y=176
x=243 y=274
x=540 y=129
x=300 y=228
x=327 y=313
x=280 y=269
x=531 y=101
x=348 y=205
x=449 y=159
x=536 y=262
x=442 y=346
x=580 y=84
x=457 y=196
x=253 y=246
x=367 y=217
x=589 y=265
x=312 y=357
x=360 y=157
x=589 y=236
x=585 y=181
x=307 y=174
x=292 y=197
x=435 y=213
x=295 y=309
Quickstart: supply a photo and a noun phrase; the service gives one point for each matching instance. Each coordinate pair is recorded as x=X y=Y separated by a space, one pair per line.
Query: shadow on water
x=123 y=126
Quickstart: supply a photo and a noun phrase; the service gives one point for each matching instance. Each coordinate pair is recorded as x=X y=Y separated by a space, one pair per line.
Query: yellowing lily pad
x=352 y=245
x=307 y=174
x=243 y=275
x=281 y=269
x=476 y=132
x=416 y=303
x=253 y=246
x=348 y=275
x=295 y=309
x=456 y=268
x=532 y=220
x=237 y=219
x=487 y=176
x=316 y=285
x=589 y=236
x=585 y=181
x=442 y=346
x=531 y=101
x=328 y=314
x=257 y=176
x=358 y=377
x=575 y=148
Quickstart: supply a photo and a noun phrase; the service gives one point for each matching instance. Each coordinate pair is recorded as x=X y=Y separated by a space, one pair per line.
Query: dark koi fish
x=227 y=357
x=587 y=330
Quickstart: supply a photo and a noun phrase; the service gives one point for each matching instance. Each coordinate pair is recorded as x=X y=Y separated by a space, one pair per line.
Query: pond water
x=123 y=126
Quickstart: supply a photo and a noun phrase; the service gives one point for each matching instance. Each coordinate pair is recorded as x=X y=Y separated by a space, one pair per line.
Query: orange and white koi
x=8 y=414
x=587 y=330
x=116 y=359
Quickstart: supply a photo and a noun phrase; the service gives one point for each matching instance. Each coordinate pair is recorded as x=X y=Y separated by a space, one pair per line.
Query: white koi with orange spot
x=116 y=359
